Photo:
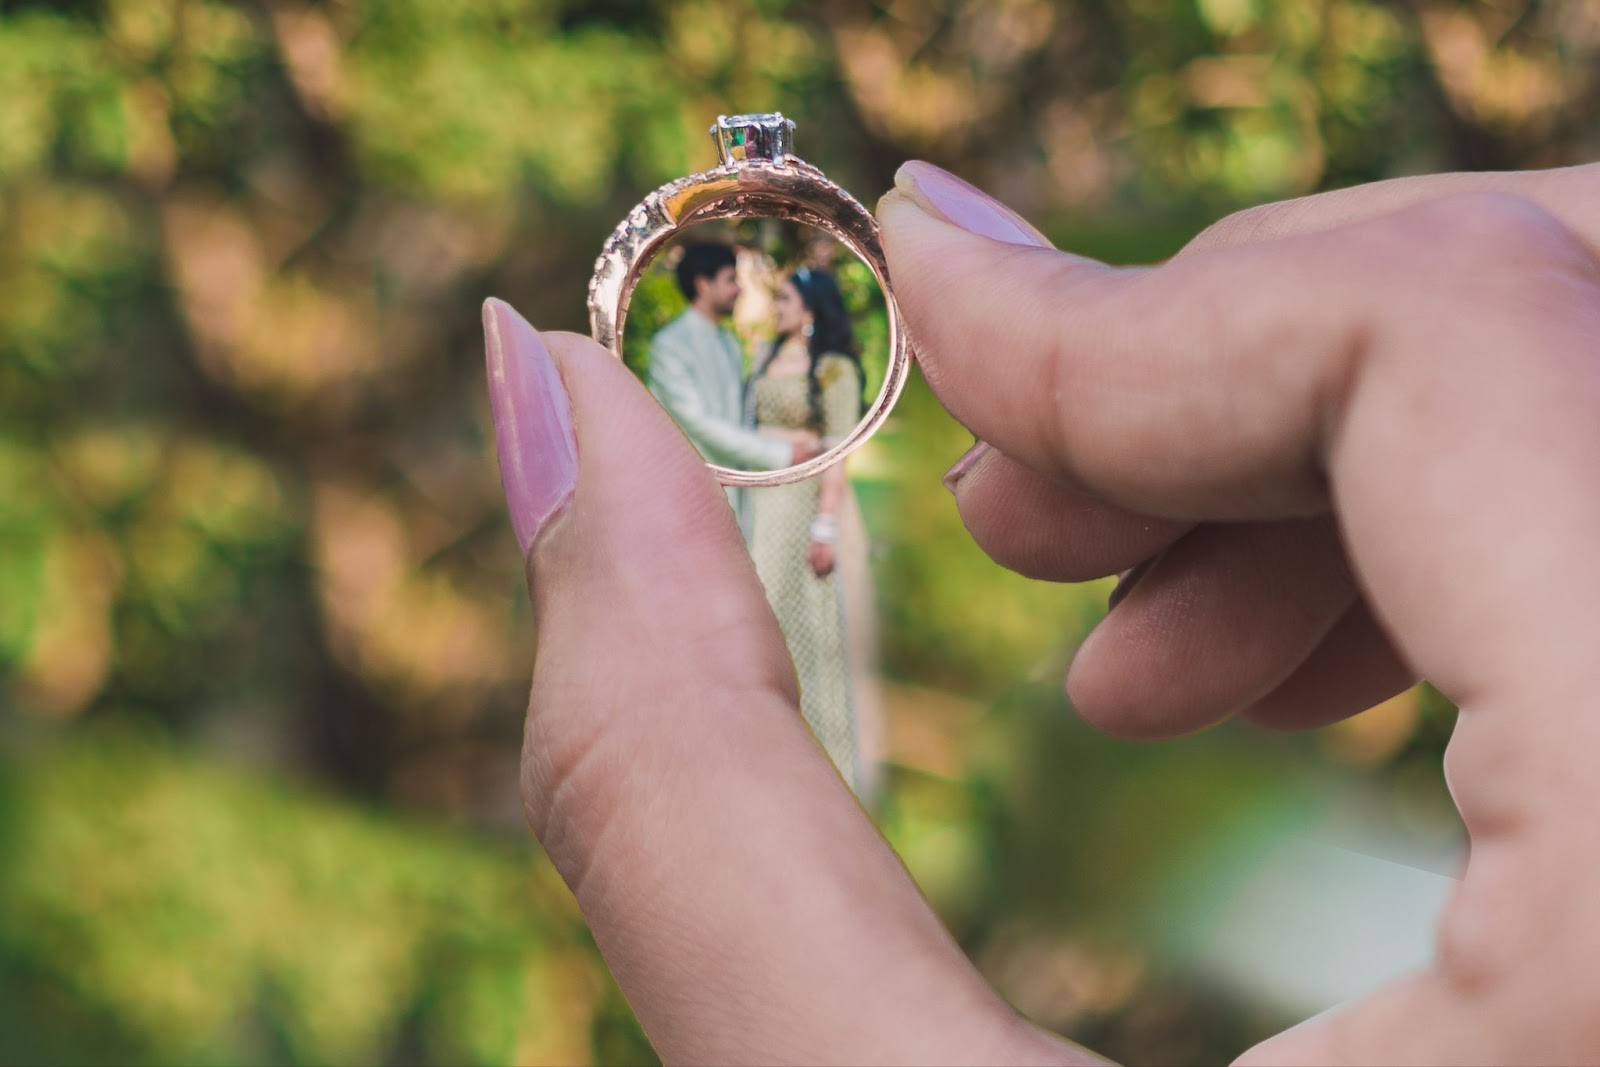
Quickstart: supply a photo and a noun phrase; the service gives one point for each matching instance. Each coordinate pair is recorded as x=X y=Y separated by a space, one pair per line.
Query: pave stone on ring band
x=758 y=176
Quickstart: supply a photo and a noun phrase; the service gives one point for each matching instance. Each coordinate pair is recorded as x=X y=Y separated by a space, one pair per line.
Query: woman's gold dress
x=811 y=610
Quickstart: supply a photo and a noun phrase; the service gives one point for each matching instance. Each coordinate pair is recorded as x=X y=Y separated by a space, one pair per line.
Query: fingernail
x=959 y=469
x=959 y=203
x=1125 y=584
x=532 y=421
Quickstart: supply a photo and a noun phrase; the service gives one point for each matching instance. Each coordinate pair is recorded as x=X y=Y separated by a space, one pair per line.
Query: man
x=697 y=373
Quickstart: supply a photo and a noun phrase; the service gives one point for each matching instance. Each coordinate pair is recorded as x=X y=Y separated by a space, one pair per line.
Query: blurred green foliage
x=159 y=909
x=656 y=302
x=263 y=647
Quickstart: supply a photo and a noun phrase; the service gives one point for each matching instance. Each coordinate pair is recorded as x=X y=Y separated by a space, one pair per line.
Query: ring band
x=759 y=176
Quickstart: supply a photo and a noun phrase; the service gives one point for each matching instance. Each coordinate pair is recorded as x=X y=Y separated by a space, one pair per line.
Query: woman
x=806 y=537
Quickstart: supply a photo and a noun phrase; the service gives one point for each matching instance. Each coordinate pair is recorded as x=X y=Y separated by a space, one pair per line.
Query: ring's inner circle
x=767 y=339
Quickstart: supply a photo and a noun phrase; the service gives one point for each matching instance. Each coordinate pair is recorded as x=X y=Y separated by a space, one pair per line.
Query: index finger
x=1193 y=390
x=1565 y=192
x=1127 y=382
x=1437 y=364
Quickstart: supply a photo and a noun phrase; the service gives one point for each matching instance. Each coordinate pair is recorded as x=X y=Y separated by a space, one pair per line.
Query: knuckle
x=1494 y=239
x=1119 y=430
x=1464 y=268
x=572 y=767
x=1470 y=956
x=1495 y=923
x=1066 y=409
x=1262 y=222
x=609 y=738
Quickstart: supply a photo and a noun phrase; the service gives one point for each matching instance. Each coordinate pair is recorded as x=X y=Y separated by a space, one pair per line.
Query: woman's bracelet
x=825 y=529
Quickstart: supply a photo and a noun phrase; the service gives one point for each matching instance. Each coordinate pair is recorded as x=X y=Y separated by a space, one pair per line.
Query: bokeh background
x=263 y=644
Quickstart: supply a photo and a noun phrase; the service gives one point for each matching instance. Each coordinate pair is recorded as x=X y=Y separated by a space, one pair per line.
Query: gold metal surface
x=785 y=189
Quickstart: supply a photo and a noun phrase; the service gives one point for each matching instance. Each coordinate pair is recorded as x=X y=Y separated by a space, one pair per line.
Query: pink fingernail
x=945 y=196
x=959 y=469
x=532 y=421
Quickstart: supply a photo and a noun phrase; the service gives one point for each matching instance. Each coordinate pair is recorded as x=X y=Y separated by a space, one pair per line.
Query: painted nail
x=1125 y=584
x=532 y=421
x=968 y=460
x=962 y=204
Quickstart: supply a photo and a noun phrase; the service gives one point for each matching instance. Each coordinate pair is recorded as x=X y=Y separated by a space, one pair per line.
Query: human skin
x=788 y=310
x=714 y=297
x=1349 y=441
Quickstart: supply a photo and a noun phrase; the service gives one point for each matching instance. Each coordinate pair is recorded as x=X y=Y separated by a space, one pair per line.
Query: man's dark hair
x=701 y=261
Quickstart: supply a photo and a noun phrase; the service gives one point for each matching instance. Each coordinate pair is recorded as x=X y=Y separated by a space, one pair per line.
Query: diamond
x=747 y=138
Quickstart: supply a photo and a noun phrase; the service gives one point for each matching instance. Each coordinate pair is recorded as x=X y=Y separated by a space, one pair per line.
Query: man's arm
x=719 y=440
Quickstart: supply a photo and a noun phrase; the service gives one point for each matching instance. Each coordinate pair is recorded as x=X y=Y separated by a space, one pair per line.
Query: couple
x=806 y=394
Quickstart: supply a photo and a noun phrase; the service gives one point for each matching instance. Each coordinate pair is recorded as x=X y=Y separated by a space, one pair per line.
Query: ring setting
x=758 y=176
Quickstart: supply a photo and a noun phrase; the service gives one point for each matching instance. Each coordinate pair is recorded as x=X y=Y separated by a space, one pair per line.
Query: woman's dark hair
x=831 y=334
x=702 y=261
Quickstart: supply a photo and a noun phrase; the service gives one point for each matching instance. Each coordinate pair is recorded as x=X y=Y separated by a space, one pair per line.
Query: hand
x=749 y=910
x=821 y=556
x=1348 y=441
x=807 y=446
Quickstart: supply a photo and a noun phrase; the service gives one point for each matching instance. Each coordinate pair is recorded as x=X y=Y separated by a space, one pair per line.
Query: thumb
x=747 y=907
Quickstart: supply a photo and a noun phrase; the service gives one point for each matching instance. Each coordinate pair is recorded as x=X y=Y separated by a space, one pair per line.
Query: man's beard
x=725 y=310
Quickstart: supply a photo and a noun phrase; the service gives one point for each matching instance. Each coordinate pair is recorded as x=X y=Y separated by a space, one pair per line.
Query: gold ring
x=759 y=176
